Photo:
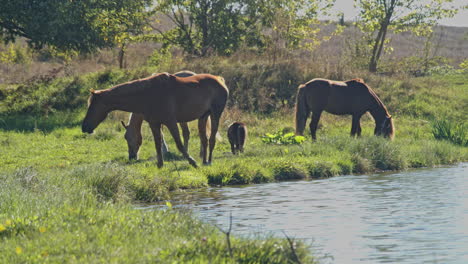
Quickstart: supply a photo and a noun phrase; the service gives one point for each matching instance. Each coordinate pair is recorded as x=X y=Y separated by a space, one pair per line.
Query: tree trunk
x=373 y=62
x=378 y=45
x=382 y=42
x=122 y=56
x=204 y=28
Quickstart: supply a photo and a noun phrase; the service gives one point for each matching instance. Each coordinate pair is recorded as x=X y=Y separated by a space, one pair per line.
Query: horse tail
x=241 y=136
x=222 y=82
x=302 y=110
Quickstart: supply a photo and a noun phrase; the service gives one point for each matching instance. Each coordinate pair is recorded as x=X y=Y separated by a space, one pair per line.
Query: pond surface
x=418 y=216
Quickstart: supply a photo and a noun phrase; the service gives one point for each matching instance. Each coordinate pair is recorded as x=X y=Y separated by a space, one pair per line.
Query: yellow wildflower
x=42 y=229
x=8 y=222
x=2 y=228
x=19 y=250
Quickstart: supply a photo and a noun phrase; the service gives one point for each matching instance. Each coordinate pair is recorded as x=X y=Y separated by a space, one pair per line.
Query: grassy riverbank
x=67 y=197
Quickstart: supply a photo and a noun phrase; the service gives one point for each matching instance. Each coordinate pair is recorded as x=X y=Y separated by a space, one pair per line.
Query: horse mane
x=379 y=102
x=372 y=93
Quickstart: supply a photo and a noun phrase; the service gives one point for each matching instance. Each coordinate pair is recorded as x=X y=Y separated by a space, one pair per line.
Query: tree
x=294 y=23
x=125 y=25
x=67 y=25
x=377 y=17
x=223 y=26
x=204 y=26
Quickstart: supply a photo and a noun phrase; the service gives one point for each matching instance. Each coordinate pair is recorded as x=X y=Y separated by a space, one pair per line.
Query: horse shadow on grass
x=46 y=124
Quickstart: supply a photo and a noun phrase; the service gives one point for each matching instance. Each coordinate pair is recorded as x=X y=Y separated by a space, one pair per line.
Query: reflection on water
x=409 y=217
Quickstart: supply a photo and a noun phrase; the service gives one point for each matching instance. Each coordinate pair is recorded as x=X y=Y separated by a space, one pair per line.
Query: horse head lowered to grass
x=165 y=99
x=352 y=97
x=133 y=129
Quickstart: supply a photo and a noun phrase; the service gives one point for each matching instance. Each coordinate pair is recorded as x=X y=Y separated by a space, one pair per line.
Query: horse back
x=336 y=97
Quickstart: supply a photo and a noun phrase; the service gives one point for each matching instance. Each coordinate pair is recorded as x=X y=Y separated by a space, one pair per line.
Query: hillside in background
x=447 y=42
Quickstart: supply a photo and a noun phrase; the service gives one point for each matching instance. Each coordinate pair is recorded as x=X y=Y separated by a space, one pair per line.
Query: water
x=419 y=216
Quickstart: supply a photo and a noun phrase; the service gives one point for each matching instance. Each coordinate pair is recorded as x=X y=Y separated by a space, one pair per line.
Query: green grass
x=69 y=197
x=456 y=133
x=66 y=217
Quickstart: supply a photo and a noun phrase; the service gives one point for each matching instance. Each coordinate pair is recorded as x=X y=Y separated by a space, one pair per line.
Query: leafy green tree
x=223 y=26
x=378 y=17
x=294 y=23
x=204 y=26
x=69 y=25
x=125 y=25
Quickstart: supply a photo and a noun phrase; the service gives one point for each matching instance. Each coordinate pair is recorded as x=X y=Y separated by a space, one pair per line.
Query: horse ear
x=123 y=124
x=92 y=91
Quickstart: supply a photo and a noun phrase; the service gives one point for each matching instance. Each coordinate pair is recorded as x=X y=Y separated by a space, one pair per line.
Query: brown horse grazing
x=237 y=134
x=135 y=139
x=133 y=129
x=352 y=97
x=165 y=99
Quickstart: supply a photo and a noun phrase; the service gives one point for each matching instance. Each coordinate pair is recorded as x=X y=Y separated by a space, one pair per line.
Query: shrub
x=282 y=139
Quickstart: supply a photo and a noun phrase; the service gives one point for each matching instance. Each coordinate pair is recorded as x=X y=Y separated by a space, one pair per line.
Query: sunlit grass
x=69 y=197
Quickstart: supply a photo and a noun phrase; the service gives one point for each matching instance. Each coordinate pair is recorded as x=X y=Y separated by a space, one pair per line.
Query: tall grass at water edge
x=68 y=217
x=456 y=133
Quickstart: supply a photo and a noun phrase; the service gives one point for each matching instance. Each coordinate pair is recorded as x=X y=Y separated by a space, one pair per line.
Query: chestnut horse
x=165 y=99
x=352 y=97
x=133 y=129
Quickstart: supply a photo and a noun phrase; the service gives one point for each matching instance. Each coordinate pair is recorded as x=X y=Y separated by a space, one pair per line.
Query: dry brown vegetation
x=331 y=56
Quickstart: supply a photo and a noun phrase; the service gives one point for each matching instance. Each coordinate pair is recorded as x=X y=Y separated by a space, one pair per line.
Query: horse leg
x=165 y=148
x=203 y=138
x=208 y=128
x=158 y=139
x=314 y=124
x=233 y=149
x=185 y=134
x=215 y=116
x=356 y=126
x=359 y=128
x=172 y=126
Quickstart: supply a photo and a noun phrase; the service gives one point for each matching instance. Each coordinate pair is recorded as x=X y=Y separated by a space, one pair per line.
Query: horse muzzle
x=86 y=129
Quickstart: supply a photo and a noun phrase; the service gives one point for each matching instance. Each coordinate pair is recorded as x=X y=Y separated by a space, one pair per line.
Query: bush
x=281 y=138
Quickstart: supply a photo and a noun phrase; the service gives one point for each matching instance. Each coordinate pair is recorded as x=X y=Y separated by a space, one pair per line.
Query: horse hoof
x=160 y=165
x=207 y=163
x=193 y=163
